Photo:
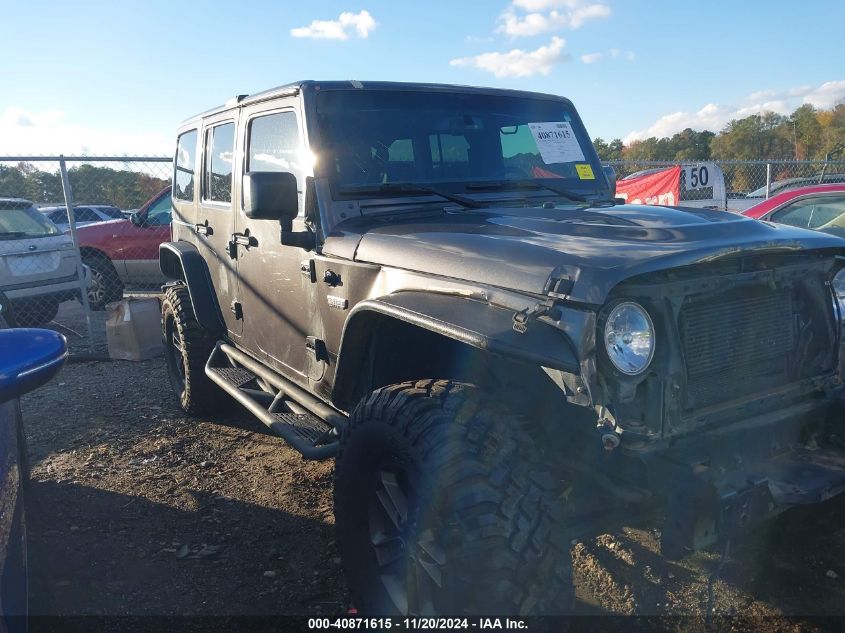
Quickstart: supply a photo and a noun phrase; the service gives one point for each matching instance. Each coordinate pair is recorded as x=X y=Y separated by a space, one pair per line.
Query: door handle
x=244 y=239
x=204 y=229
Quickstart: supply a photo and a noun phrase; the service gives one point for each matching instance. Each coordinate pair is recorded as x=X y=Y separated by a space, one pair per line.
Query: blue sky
x=118 y=77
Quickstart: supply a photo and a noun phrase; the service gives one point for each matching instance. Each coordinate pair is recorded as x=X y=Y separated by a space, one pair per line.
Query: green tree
x=608 y=151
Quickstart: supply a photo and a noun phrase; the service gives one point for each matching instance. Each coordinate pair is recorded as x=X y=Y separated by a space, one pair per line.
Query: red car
x=817 y=207
x=125 y=252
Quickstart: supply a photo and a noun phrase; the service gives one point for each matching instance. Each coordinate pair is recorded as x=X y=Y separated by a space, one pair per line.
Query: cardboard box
x=133 y=329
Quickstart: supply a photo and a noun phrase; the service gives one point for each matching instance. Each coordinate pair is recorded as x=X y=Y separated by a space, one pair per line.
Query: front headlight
x=629 y=338
x=838 y=285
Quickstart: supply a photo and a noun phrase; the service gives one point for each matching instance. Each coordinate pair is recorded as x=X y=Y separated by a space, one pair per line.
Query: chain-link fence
x=63 y=269
x=77 y=233
x=744 y=182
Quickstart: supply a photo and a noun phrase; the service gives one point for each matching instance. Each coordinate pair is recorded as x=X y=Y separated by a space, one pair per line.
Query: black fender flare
x=475 y=323
x=182 y=261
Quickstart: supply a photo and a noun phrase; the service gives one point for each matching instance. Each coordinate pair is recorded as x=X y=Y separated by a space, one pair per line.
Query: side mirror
x=136 y=219
x=610 y=175
x=28 y=359
x=271 y=195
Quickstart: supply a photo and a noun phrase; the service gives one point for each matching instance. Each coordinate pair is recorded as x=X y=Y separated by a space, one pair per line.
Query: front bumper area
x=717 y=483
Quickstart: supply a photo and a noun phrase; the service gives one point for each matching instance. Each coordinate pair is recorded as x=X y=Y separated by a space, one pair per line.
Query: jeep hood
x=595 y=248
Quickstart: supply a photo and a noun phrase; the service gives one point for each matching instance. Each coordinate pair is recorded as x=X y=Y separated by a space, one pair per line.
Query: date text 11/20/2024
x=414 y=624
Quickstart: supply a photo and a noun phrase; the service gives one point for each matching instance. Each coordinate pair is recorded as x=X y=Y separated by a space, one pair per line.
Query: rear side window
x=274 y=143
x=219 y=157
x=186 y=162
x=84 y=214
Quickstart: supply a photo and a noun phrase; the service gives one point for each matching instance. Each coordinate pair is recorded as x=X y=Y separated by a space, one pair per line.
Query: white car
x=83 y=214
x=38 y=264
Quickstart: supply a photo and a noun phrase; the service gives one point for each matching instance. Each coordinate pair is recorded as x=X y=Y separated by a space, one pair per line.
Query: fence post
x=768 y=179
x=80 y=270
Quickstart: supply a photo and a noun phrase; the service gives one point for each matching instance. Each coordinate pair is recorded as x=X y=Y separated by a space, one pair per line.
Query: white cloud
x=827 y=95
x=613 y=53
x=360 y=23
x=50 y=133
x=715 y=117
x=525 y=18
x=472 y=39
x=517 y=62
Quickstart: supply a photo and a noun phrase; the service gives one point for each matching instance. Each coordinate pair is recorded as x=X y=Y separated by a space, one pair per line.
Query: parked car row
x=740 y=202
x=124 y=252
x=38 y=268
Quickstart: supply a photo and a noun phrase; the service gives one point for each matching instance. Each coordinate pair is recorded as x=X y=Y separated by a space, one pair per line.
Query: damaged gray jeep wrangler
x=435 y=286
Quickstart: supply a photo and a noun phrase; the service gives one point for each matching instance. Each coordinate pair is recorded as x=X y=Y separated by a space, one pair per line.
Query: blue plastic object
x=29 y=357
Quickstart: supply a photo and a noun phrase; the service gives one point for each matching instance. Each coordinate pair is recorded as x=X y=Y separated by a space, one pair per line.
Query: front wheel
x=443 y=505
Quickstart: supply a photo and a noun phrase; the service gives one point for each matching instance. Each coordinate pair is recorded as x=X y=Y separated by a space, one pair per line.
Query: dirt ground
x=136 y=509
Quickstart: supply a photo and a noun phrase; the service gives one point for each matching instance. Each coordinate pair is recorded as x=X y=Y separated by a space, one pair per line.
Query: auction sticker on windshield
x=556 y=142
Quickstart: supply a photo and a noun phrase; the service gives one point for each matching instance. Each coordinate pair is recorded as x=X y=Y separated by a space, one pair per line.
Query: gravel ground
x=137 y=509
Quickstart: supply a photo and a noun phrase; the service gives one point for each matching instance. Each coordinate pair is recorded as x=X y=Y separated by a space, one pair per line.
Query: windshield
x=371 y=138
x=20 y=223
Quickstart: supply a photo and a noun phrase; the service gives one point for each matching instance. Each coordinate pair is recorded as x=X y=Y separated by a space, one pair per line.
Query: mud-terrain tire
x=448 y=484
x=105 y=282
x=34 y=312
x=187 y=346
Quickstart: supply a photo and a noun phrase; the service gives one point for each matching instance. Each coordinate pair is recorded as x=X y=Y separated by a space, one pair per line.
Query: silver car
x=38 y=264
x=83 y=214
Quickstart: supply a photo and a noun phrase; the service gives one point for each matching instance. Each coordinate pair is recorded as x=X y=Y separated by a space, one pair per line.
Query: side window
x=59 y=217
x=219 y=158
x=112 y=212
x=186 y=163
x=159 y=213
x=274 y=144
x=813 y=213
x=84 y=214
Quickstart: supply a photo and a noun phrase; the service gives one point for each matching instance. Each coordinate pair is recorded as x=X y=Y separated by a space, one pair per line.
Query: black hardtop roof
x=352 y=84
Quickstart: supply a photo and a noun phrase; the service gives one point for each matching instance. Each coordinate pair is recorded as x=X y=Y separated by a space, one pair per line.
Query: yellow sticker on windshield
x=585 y=172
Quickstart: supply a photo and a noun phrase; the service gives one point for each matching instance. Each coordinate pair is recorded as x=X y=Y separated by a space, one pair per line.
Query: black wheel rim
x=175 y=353
x=409 y=558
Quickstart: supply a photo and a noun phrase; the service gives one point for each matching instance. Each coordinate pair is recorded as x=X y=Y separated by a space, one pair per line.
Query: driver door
x=139 y=242
x=273 y=293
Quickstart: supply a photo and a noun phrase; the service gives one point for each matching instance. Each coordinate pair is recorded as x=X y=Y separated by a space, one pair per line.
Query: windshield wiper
x=516 y=185
x=10 y=235
x=410 y=187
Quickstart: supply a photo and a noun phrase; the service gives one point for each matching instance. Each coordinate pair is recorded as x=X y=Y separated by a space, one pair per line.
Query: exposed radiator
x=736 y=344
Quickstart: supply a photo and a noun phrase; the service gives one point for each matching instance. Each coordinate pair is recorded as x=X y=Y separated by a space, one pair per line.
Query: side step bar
x=309 y=425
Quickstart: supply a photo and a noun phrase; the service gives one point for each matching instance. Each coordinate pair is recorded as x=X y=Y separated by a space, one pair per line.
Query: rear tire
x=105 y=282
x=187 y=347
x=444 y=505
